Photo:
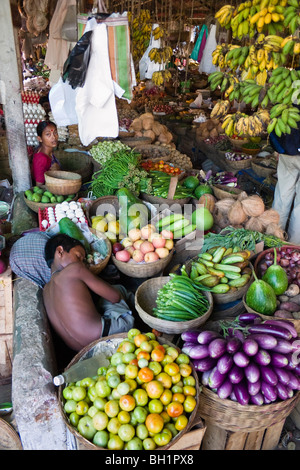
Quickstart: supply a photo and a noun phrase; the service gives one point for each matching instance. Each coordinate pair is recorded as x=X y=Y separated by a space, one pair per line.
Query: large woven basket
x=77 y=162
x=97 y=268
x=222 y=192
x=261 y=170
x=62 y=182
x=143 y=270
x=103 y=205
x=145 y=301
x=108 y=345
x=233 y=416
x=230 y=296
x=35 y=206
x=237 y=165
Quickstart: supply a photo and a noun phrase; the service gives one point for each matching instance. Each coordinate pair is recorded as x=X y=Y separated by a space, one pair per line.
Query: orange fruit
x=185 y=370
x=165 y=379
x=166 y=396
x=143 y=355
x=154 y=423
x=180 y=397
x=174 y=409
x=145 y=374
x=171 y=368
x=157 y=354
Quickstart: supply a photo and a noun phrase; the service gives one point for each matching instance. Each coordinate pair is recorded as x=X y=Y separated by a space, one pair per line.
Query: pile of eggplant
x=246 y=359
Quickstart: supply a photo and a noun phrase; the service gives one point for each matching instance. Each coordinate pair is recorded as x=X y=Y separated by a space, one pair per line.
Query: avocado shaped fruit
x=261 y=297
x=276 y=276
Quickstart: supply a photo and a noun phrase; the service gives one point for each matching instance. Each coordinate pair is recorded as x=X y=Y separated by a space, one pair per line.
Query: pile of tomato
x=160 y=166
x=141 y=401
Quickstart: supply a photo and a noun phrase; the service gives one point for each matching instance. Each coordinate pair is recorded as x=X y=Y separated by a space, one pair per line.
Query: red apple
x=130 y=249
x=137 y=244
x=147 y=230
x=123 y=255
x=137 y=256
x=167 y=234
x=117 y=247
x=162 y=252
x=146 y=247
x=158 y=242
x=150 y=257
x=134 y=234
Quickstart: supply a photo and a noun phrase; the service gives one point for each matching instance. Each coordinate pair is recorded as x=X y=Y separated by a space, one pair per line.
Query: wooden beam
x=10 y=93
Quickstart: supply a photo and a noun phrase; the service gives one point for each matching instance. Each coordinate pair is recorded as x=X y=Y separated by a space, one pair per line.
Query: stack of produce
x=37 y=194
x=160 y=182
x=144 y=245
x=248 y=212
x=134 y=403
x=146 y=126
x=107 y=224
x=222 y=269
x=176 y=224
x=209 y=129
x=247 y=360
x=162 y=166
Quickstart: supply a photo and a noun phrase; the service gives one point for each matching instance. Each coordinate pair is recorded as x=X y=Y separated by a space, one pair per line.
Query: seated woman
x=70 y=297
x=44 y=159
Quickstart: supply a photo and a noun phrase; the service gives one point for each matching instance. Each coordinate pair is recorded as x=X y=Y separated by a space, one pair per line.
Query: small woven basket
x=35 y=206
x=223 y=192
x=62 y=182
x=238 y=143
x=239 y=164
x=233 y=416
x=143 y=270
x=145 y=301
x=108 y=345
x=77 y=162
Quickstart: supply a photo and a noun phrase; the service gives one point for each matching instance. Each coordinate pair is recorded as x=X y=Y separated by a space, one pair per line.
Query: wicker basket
x=261 y=170
x=134 y=142
x=108 y=345
x=143 y=270
x=97 y=268
x=77 y=162
x=235 y=417
x=230 y=296
x=62 y=182
x=238 y=143
x=253 y=152
x=107 y=203
x=35 y=206
x=237 y=165
x=161 y=200
x=223 y=192
x=145 y=301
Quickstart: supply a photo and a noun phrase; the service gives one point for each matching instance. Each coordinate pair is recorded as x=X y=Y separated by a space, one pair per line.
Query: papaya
x=261 y=297
x=276 y=276
x=70 y=228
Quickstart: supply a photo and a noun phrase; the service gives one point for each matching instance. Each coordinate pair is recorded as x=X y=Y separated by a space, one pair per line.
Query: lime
x=45 y=199
x=36 y=197
x=134 y=444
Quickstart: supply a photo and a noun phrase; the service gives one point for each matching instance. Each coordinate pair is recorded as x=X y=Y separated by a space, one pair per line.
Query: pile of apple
x=144 y=245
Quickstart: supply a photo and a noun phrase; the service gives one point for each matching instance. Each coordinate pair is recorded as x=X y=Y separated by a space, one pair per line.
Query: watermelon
x=202 y=189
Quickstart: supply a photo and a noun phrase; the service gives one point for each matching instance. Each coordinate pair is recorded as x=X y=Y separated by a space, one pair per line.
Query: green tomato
x=86 y=427
x=101 y=438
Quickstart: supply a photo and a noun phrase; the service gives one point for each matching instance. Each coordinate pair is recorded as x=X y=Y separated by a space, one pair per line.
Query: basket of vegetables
x=251 y=148
x=173 y=304
x=249 y=379
x=117 y=412
x=101 y=252
x=238 y=160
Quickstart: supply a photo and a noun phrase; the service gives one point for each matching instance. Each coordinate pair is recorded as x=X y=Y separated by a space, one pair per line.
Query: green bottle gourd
x=276 y=276
x=261 y=297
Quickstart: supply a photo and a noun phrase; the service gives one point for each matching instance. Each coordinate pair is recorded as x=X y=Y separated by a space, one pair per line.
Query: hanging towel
x=202 y=46
x=201 y=40
x=95 y=101
x=206 y=65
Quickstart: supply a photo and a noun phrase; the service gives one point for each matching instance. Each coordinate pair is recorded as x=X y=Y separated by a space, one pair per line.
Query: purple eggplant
x=202 y=365
x=248 y=317
x=186 y=348
x=225 y=390
x=282 y=391
x=241 y=359
x=241 y=393
x=263 y=358
x=199 y=351
x=282 y=374
x=215 y=379
x=233 y=345
x=294 y=382
x=283 y=346
x=232 y=396
x=284 y=324
x=268 y=375
x=236 y=374
x=225 y=363
x=290 y=391
x=252 y=373
x=278 y=360
x=206 y=336
x=217 y=347
x=274 y=330
x=269 y=391
x=254 y=388
x=257 y=399
x=190 y=336
x=292 y=361
x=250 y=347
x=204 y=377
x=264 y=340
x=239 y=334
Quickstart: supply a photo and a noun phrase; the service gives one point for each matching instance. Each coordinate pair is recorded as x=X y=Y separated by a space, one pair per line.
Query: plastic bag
x=206 y=65
x=62 y=98
x=76 y=65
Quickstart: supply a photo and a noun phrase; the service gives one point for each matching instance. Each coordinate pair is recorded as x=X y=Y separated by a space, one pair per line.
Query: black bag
x=76 y=65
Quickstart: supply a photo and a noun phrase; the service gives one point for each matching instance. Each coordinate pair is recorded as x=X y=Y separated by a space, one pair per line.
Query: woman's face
x=49 y=136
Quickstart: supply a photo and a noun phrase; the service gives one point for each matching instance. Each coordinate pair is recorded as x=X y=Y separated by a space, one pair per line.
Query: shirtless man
x=68 y=297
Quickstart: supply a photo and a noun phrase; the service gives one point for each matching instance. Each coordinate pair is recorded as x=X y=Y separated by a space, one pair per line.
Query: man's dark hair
x=60 y=239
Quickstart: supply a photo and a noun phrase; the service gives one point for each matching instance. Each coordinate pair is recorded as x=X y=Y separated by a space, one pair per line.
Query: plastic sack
x=62 y=98
x=76 y=65
x=206 y=65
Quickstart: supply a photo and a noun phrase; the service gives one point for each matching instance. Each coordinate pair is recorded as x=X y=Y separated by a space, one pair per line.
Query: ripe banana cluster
x=292 y=16
x=220 y=109
x=267 y=14
x=285 y=84
x=159 y=77
x=160 y=55
x=140 y=30
x=241 y=124
x=284 y=118
x=158 y=32
x=224 y=15
x=218 y=55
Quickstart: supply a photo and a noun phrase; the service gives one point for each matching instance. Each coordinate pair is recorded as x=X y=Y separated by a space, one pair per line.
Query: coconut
x=270 y=216
x=243 y=195
x=253 y=206
x=220 y=218
x=236 y=214
x=224 y=205
x=254 y=224
x=276 y=230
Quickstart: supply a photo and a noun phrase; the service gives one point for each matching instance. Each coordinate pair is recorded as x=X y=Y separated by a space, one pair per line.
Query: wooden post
x=10 y=88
